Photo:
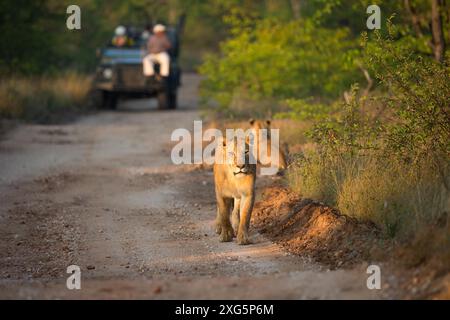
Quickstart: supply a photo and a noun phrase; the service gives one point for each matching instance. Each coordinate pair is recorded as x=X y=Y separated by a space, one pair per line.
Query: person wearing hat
x=157 y=46
x=120 y=37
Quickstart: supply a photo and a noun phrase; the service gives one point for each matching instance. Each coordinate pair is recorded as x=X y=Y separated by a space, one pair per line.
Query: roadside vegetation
x=44 y=99
x=45 y=68
x=392 y=168
x=374 y=106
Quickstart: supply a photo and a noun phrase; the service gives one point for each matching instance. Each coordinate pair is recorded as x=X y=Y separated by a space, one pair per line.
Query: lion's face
x=238 y=158
x=258 y=125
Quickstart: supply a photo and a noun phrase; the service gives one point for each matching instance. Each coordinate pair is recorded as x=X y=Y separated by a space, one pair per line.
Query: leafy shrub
x=419 y=101
x=396 y=174
x=305 y=110
x=278 y=61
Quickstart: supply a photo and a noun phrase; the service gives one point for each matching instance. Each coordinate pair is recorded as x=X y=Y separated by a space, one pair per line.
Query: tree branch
x=368 y=79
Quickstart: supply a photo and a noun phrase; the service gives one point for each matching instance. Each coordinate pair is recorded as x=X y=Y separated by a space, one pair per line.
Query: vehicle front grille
x=130 y=76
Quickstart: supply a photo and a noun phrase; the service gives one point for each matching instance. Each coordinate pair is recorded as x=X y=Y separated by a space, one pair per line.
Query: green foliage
x=420 y=99
x=280 y=60
x=25 y=44
x=349 y=131
x=305 y=110
x=35 y=39
x=341 y=141
x=397 y=173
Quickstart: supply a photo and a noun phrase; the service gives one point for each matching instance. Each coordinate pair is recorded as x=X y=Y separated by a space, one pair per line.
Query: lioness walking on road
x=234 y=179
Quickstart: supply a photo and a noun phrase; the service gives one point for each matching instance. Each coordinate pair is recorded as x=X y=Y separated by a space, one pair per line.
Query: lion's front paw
x=227 y=234
x=218 y=228
x=242 y=238
x=235 y=229
x=235 y=223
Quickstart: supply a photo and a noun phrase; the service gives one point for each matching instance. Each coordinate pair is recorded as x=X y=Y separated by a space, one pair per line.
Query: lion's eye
x=246 y=151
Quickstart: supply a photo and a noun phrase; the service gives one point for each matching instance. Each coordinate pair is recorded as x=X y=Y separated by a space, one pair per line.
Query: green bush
x=392 y=169
x=278 y=61
x=419 y=99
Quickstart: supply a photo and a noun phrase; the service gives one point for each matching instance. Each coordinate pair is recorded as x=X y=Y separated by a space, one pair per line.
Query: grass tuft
x=43 y=99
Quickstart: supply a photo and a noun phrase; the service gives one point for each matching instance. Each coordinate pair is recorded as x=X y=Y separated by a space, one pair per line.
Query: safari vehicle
x=120 y=73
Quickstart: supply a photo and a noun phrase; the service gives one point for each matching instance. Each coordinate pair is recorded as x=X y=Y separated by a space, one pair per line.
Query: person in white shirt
x=157 y=46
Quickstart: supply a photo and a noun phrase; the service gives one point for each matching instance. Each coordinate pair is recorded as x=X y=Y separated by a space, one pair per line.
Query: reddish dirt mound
x=309 y=228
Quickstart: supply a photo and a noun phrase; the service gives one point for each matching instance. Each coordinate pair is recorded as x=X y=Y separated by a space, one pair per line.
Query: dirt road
x=103 y=194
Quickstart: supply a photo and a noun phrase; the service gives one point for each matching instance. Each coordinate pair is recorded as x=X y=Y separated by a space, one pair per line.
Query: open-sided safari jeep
x=120 y=72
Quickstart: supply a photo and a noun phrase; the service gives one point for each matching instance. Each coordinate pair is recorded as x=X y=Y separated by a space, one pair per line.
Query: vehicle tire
x=173 y=100
x=167 y=100
x=109 y=100
x=163 y=100
x=95 y=99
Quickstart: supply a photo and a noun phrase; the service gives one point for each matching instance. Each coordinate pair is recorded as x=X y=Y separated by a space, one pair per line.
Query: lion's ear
x=251 y=121
x=268 y=122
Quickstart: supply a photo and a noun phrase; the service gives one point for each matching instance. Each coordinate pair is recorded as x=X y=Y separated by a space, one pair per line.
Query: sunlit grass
x=43 y=98
x=402 y=199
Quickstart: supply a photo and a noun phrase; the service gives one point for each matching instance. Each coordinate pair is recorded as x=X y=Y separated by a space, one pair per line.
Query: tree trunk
x=437 y=31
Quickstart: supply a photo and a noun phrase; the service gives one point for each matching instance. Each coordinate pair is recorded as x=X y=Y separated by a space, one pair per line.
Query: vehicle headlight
x=107 y=73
